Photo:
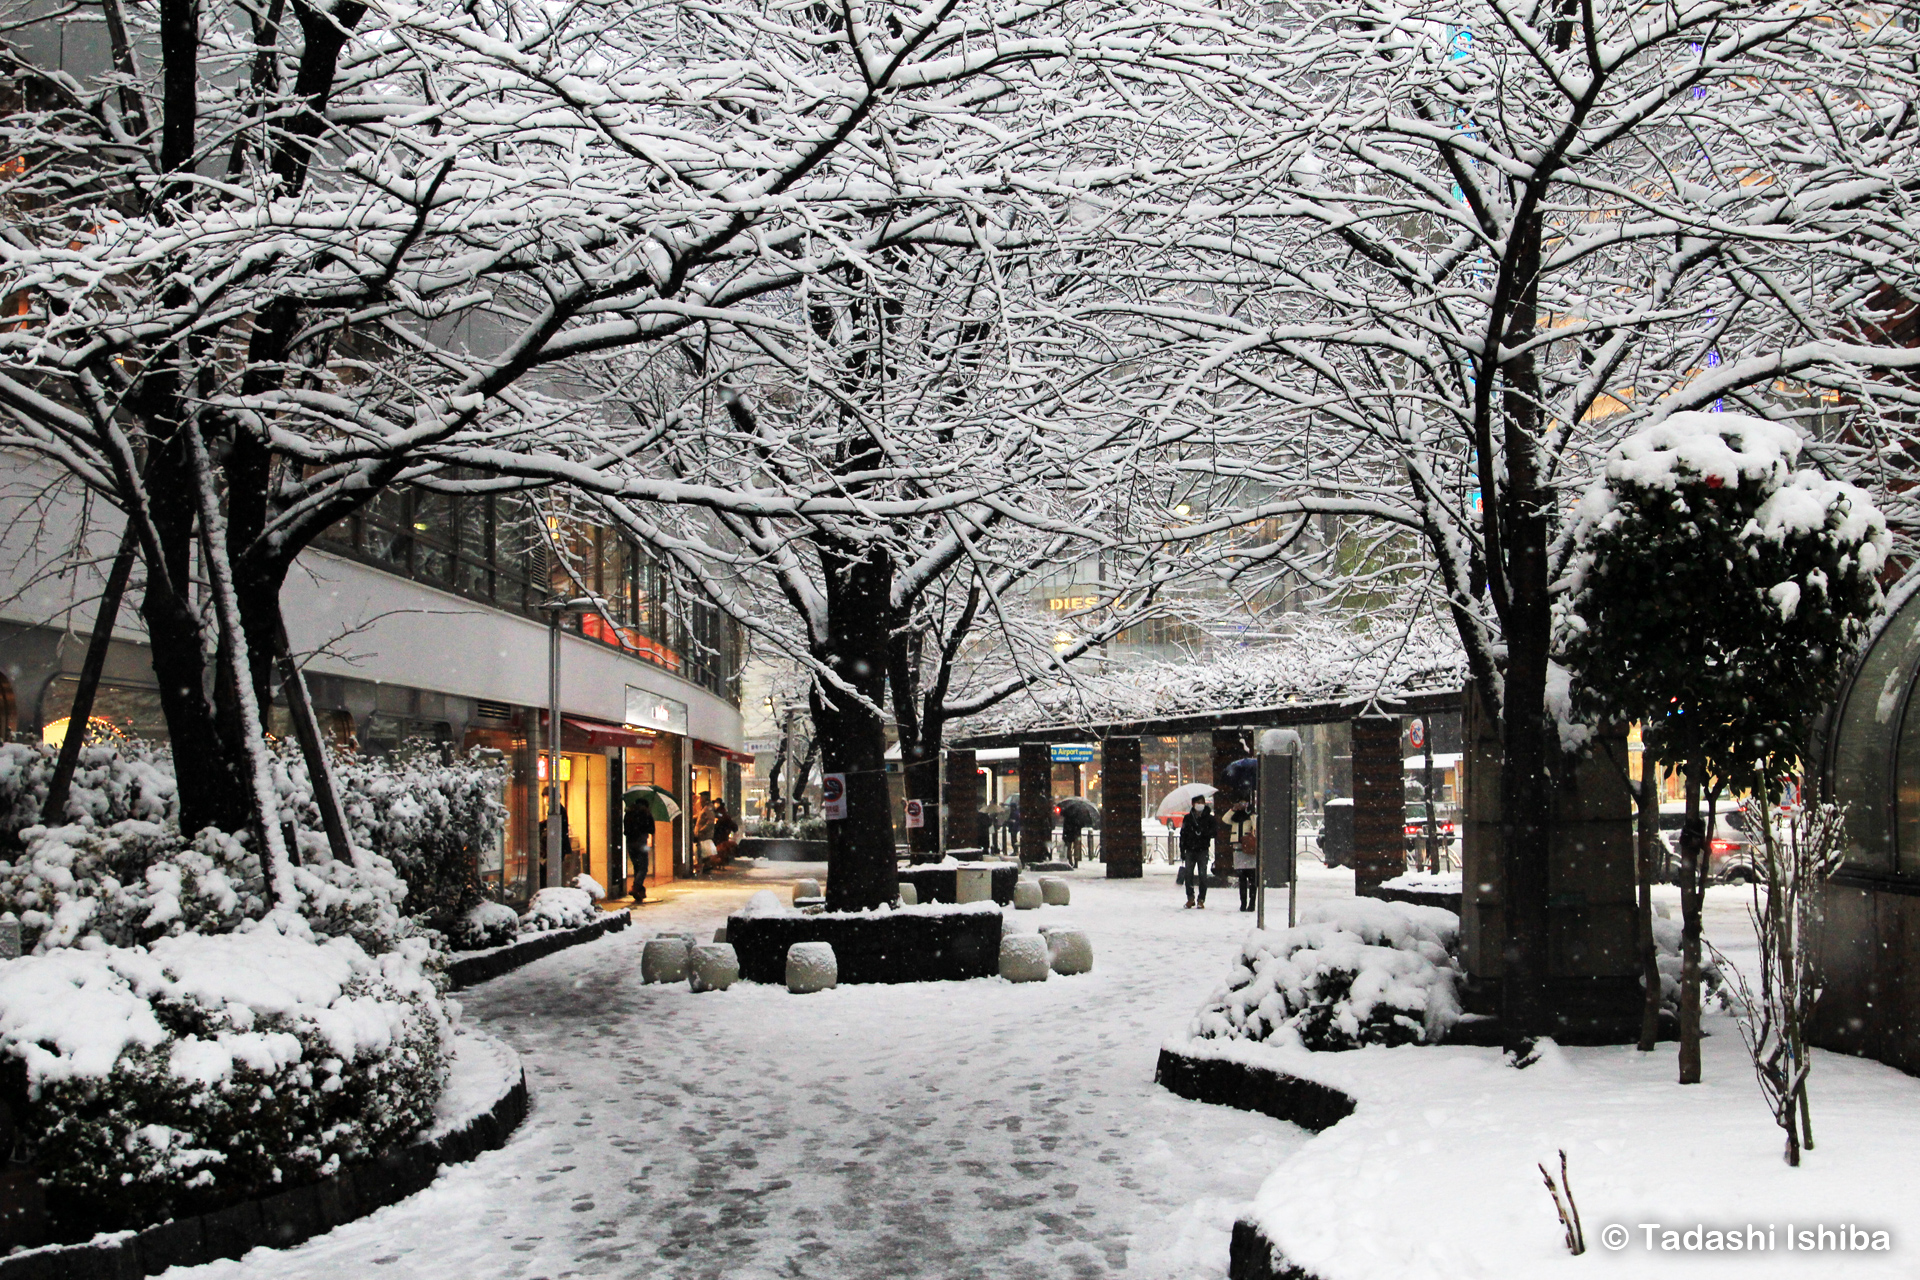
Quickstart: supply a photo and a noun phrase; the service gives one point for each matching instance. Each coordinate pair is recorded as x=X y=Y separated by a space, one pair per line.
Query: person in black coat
x=1197 y=831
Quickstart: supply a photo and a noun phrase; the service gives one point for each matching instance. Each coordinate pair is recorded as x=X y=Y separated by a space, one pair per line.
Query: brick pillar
x=1227 y=747
x=1379 y=804
x=963 y=800
x=1036 y=800
x=1120 y=807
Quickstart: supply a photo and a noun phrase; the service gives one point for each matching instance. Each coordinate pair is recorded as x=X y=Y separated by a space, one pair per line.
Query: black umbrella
x=1241 y=776
x=1082 y=810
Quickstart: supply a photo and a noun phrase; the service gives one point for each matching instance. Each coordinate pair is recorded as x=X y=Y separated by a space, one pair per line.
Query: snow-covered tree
x=1715 y=596
x=1471 y=245
x=265 y=265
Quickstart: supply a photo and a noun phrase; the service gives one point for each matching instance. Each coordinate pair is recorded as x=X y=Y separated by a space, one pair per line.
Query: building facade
x=418 y=625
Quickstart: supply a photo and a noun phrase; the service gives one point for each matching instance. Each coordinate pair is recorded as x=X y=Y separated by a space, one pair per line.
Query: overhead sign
x=1072 y=752
x=649 y=710
x=916 y=813
x=833 y=797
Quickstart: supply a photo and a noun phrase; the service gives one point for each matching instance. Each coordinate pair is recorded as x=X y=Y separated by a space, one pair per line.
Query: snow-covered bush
x=173 y=1078
x=558 y=909
x=1353 y=972
x=112 y=782
x=589 y=886
x=486 y=924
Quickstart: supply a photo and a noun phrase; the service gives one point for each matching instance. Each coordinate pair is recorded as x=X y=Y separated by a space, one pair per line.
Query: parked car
x=1446 y=827
x=1730 y=857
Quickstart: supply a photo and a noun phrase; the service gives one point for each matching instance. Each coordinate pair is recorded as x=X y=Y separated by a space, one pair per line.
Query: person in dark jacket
x=1197 y=830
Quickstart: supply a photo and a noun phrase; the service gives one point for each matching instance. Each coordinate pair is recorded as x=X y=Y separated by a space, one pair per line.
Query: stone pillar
x=1227 y=747
x=963 y=800
x=1379 y=804
x=1593 y=975
x=1036 y=800
x=1120 y=807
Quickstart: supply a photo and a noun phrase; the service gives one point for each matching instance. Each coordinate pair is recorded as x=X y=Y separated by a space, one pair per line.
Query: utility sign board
x=916 y=813
x=1073 y=753
x=833 y=797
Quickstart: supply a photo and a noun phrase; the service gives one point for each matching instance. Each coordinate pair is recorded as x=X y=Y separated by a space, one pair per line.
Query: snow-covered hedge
x=486 y=924
x=1353 y=972
x=558 y=909
x=205 y=1068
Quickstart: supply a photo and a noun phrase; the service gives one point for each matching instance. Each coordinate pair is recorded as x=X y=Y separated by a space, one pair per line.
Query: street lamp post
x=556 y=837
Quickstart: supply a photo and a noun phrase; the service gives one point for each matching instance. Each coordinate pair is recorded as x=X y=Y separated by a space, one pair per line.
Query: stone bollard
x=1071 y=951
x=1026 y=895
x=715 y=967
x=663 y=960
x=9 y=936
x=973 y=884
x=720 y=934
x=909 y=896
x=806 y=893
x=811 y=966
x=1023 y=957
x=1053 y=890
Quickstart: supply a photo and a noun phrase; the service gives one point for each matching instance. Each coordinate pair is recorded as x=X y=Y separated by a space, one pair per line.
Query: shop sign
x=916 y=813
x=1073 y=753
x=833 y=797
x=649 y=710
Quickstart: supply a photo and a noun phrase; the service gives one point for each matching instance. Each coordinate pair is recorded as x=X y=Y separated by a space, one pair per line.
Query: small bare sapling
x=1569 y=1212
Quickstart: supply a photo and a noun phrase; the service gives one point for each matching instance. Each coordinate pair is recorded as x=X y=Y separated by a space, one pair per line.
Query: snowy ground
x=944 y=1130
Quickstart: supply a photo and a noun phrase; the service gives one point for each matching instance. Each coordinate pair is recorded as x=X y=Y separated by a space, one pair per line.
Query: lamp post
x=556 y=839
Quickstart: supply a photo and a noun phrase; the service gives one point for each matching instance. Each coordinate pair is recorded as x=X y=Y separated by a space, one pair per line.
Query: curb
x=477 y=969
x=1313 y=1106
x=278 y=1221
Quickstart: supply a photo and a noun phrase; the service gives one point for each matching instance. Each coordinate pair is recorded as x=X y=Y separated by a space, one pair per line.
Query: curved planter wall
x=278 y=1221
x=1307 y=1103
x=475 y=968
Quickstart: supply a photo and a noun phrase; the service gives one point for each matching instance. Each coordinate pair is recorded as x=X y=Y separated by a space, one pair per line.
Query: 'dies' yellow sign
x=1065 y=604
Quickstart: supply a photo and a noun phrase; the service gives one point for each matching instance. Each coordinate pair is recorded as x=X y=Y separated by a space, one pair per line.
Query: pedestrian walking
x=1197 y=830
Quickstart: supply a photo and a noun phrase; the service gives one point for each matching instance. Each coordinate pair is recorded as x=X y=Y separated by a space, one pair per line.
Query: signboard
x=1073 y=753
x=1417 y=733
x=763 y=746
x=833 y=797
x=916 y=813
x=649 y=710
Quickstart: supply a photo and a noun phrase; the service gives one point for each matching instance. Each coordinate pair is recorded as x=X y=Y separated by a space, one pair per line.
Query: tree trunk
x=1693 y=845
x=53 y=811
x=1526 y=800
x=1649 y=815
x=922 y=778
x=861 y=870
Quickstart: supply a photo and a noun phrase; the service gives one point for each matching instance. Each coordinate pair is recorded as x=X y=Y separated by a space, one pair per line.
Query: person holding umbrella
x=1197 y=830
x=1077 y=814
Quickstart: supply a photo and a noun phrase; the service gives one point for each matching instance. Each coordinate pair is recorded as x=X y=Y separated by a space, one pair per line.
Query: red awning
x=599 y=733
x=728 y=753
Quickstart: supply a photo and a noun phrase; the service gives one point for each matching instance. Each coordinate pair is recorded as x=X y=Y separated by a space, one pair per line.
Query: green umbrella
x=660 y=803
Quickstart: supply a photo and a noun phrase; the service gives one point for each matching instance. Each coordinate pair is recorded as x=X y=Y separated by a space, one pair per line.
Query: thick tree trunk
x=1526 y=800
x=1693 y=849
x=1647 y=834
x=861 y=870
x=922 y=777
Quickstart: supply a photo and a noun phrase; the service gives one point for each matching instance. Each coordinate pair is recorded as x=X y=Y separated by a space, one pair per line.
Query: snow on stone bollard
x=1053 y=891
x=909 y=896
x=1023 y=958
x=972 y=884
x=715 y=967
x=663 y=960
x=811 y=967
x=1072 y=951
x=1026 y=895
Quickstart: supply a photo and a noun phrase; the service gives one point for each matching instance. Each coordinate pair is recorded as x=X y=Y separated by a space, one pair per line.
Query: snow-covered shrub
x=173 y=1078
x=1672 y=963
x=112 y=782
x=589 y=886
x=486 y=924
x=1353 y=972
x=558 y=909
x=127 y=884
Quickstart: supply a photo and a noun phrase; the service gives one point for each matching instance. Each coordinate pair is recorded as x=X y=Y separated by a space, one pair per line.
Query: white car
x=1730 y=848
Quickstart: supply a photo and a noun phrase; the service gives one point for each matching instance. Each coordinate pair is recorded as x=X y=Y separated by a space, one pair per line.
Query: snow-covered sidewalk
x=945 y=1130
